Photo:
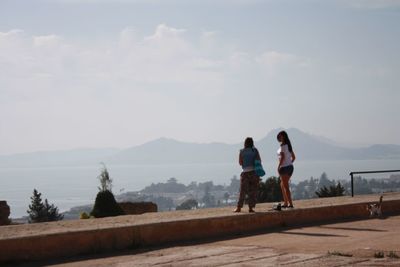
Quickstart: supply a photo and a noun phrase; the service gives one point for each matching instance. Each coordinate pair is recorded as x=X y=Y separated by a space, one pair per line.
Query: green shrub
x=332 y=191
x=379 y=254
x=270 y=190
x=84 y=215
x=188 y=205
x=393 y=255
x=105 y=205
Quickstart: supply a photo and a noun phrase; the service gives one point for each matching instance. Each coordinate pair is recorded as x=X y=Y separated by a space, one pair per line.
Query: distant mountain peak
x=167 y=150
x=164 y=139
x=161 y=140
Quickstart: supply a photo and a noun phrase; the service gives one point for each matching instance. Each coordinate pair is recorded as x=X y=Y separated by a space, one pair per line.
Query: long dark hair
x=286 y=140
x=248 y=143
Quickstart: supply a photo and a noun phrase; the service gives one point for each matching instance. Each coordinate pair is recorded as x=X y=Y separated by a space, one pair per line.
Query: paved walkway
x=339 y=244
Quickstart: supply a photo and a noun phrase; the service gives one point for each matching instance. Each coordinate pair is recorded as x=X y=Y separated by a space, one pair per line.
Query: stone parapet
x=4 y=213
x=131 y=208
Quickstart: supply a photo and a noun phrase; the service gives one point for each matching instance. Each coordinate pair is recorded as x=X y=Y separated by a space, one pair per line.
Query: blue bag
x=259 y=168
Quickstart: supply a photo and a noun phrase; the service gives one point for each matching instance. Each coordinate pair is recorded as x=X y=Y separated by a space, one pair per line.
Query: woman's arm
x=293 y=156
x=281 y=159
x=258 y=157
x=240 y=159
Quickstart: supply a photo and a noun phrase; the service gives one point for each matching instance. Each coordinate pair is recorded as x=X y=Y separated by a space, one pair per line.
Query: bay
x=71 y=186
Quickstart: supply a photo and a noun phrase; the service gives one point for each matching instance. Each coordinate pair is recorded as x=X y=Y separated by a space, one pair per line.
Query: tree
x=270 y=190
x=305 y=189
x=36 y=208
x=209 y=185
x=188 y=205
x=332 y=191
x=192 y=186
x=52 y=212
x=42 y=212
x=234 y=186
x=361 y=186
x=105 y=180
x=324 y=181
x=312 y=187
x=226 y=197
x=208 y=199
x=105 y=204
x=172 y=186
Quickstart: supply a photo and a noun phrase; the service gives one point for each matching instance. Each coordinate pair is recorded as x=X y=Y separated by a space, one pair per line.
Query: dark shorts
x=288 y=170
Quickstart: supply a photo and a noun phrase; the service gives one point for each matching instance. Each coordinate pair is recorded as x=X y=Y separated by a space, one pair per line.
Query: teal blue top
x=249 y=155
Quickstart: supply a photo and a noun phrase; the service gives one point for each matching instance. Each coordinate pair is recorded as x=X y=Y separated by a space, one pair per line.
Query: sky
x=102 y=73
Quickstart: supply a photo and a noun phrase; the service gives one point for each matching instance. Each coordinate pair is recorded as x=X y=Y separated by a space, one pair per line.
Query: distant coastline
x=170 y=151
x=170 y=193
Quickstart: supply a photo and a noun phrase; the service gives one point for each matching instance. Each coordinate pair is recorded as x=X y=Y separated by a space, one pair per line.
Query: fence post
x=352 y=185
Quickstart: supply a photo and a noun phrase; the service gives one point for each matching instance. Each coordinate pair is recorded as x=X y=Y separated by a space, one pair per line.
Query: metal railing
x=363 y=172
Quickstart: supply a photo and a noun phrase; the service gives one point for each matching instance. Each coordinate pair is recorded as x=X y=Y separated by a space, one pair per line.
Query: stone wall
x=132 y=208
x=4 y=213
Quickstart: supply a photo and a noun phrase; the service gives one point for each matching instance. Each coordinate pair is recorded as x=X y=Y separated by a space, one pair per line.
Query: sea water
x=71 y=186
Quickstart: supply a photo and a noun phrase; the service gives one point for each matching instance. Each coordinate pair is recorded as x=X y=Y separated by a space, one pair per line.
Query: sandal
x=237 y=210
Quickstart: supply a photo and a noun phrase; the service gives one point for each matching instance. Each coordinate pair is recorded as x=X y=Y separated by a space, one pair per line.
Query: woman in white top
x=285 y=167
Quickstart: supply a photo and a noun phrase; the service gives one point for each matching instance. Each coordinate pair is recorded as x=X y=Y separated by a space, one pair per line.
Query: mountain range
x=170 y=151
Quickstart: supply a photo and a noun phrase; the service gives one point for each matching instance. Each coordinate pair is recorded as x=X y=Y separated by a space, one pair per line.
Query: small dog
x=375 y=209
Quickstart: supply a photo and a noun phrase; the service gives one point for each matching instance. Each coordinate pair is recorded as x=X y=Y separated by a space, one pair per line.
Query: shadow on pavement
x=352 y=229
x=313 y=234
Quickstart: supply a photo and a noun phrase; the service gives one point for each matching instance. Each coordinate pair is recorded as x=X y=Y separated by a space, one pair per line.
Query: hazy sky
x=102 y=73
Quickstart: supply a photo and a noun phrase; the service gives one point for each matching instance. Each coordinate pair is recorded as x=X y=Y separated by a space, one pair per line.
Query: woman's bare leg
x=285 y=180
x=283 y=189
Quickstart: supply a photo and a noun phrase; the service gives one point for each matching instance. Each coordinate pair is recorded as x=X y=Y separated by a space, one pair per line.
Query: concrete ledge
x=69 y=241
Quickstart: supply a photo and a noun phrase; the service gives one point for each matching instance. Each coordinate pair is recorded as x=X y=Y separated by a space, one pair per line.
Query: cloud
x=12 y=39
x=163 y=32
x=47 y=40
x=166 y=60
x=49 y=61
x=10 y=34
